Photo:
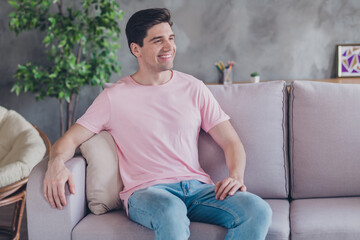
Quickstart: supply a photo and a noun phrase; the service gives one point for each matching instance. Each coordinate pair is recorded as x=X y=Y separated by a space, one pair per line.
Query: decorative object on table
x=348 y=60
x=225 y=70
x=81 y=46
x=254 y=77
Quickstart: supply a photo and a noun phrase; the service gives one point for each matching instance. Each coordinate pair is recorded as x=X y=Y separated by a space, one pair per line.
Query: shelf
x=288 y=82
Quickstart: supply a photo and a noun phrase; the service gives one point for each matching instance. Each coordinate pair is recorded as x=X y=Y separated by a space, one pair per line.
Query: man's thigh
x=229 y=213
x=152 y=206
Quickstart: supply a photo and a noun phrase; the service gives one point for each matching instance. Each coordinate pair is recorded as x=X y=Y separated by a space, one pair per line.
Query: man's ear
x=135 y=49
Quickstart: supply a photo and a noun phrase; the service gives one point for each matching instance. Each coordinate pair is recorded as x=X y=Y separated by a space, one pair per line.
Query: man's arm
x=57 y=173
x=226 y=137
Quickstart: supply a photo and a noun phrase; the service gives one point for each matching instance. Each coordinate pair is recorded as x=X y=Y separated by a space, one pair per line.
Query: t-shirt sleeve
x=97 y=116
x=211 y=112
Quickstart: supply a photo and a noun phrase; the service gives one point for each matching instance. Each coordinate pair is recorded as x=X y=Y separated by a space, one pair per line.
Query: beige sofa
x=303 y=158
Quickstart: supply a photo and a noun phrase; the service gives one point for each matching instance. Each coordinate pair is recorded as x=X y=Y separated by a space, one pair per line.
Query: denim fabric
x=169 y=208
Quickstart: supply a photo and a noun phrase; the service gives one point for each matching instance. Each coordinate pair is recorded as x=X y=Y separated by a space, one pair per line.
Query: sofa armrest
x=45 y=222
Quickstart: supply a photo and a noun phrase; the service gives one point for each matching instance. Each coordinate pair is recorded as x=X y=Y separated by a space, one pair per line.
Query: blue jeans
x=169 y=208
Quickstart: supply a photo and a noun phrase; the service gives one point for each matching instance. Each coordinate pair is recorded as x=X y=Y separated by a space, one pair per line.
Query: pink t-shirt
x=156 y=129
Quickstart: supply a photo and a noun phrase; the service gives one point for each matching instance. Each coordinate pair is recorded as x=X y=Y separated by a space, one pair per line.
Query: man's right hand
x=56 y=176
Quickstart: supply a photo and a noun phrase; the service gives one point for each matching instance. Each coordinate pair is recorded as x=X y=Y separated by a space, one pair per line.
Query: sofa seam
x=284 y=90
x=291 y=136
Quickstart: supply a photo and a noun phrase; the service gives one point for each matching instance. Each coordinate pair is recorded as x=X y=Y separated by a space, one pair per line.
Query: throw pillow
x=103 y=180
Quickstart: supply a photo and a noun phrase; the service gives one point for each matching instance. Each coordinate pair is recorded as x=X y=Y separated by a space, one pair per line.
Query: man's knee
x=263 y=212
x=258 y=210
x=254 y=217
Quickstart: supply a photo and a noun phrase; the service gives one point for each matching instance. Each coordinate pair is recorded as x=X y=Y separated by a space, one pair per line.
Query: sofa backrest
x=324 y=120
x=258 y=114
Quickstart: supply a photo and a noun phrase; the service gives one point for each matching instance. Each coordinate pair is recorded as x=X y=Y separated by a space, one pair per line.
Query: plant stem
x=75 y=108
x=69 y=113
x=60 y=3
x=62 y=125
x=79 y=54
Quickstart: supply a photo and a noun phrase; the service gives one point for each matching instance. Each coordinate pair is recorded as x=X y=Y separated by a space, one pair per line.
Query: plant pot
x=255 y=79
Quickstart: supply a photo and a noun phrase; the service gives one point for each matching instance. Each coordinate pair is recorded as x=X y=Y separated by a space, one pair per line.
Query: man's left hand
x=228 y=186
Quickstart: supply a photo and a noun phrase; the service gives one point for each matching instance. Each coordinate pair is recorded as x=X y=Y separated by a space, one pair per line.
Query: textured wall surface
x=289 y=39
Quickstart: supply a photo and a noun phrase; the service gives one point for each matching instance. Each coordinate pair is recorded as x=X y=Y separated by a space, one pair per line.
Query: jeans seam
x=185 y=191
x=235 y=223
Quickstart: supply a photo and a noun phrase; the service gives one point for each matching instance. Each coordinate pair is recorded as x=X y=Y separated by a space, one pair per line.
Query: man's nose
x=167 y=46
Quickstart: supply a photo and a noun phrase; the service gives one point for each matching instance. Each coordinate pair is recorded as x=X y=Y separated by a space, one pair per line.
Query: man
x=155 y=116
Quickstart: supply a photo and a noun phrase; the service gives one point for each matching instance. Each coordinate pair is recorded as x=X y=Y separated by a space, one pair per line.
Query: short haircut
x=141 y=21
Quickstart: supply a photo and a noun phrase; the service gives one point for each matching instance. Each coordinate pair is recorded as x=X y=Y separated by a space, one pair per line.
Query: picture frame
x=348 y=60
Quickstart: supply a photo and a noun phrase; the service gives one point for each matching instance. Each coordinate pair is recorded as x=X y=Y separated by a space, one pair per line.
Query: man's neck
x=152 y=79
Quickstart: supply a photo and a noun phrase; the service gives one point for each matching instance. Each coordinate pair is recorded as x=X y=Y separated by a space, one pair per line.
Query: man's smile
x=165 y=56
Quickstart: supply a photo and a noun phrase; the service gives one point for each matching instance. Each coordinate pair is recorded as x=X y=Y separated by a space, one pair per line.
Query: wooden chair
x=16 y=193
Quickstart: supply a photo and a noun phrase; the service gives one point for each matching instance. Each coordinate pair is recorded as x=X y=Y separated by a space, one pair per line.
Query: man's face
x=158 y=50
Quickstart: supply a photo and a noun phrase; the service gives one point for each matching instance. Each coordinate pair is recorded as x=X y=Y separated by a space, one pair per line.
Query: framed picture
x=348 y=60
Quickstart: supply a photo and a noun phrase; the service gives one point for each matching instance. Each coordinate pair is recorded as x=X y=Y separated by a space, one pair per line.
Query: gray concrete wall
x=288 y=39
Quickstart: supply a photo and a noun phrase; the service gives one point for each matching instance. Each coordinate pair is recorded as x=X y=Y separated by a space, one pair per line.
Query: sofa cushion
x=116 y=225
x=280 y=225
x=103 y=181
x=328 y=218
x=258 y=114
x=324 y=139
x=21 y=147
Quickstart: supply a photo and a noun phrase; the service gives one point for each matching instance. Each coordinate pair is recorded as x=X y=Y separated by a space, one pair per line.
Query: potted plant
x=254 y=77
x=81 y=47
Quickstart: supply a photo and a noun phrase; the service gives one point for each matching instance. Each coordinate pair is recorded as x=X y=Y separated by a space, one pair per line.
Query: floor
x=5 y=220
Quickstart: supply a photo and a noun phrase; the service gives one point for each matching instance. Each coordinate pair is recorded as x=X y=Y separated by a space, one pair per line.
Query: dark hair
x=141 y=21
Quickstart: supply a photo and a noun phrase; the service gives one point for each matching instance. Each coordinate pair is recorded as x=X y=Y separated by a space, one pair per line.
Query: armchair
x=21 y=147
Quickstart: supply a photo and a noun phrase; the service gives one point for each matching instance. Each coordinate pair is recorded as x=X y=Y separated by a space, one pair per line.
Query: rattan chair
x=16 y=193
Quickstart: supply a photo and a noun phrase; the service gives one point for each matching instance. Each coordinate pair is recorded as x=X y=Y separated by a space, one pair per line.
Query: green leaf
x=37 y=74
x=14 y=3
x=34 y=22
x=16 y=88
x=62 y=43
x=53 y=75
x=47 y=40
x=12 y=14
x=52 y=21
x=13 y=89
x=45 y=4
x=17 y=22
x=67 y=96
